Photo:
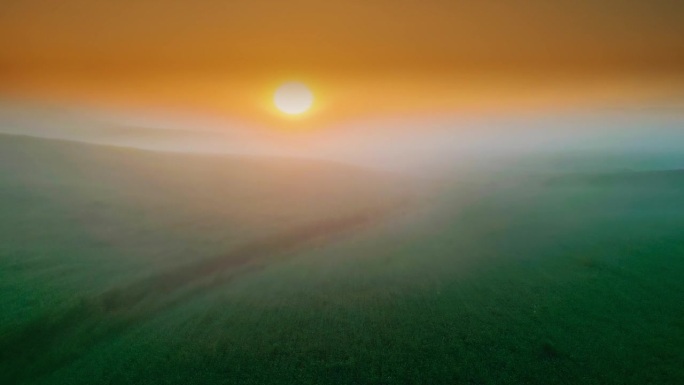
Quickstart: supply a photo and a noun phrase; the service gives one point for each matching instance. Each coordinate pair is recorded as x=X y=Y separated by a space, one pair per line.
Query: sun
x=293 y=98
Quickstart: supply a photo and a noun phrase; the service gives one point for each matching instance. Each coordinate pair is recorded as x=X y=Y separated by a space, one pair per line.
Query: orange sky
x=373 y=57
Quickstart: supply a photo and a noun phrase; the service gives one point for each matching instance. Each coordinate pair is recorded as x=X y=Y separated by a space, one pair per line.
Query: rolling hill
x=128 y=266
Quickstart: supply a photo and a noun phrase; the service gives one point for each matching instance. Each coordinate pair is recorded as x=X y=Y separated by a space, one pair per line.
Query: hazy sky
x=365 y=57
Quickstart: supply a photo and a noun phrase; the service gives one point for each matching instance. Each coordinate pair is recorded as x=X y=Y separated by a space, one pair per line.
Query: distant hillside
x=657 y=180
x=249 y=190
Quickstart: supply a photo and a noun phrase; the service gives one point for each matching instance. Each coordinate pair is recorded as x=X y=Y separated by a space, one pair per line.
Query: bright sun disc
x=293 y=98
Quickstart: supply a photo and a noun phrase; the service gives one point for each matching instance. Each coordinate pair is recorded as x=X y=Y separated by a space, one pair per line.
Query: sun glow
x=293 y=98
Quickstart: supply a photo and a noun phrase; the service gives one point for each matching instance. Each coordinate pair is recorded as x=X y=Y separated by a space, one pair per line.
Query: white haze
x=569 y=142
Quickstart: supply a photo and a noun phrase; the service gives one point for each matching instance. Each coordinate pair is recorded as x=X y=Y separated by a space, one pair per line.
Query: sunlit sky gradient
x=362 y=59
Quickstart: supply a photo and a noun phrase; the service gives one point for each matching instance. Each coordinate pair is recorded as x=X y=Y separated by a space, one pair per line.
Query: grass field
x=123 y=266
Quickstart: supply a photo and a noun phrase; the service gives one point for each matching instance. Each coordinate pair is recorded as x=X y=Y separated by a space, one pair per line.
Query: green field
x=122 y=266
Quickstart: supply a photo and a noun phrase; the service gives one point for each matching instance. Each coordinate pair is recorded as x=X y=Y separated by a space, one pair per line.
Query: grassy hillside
x=121 y=266
x=81 y=218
